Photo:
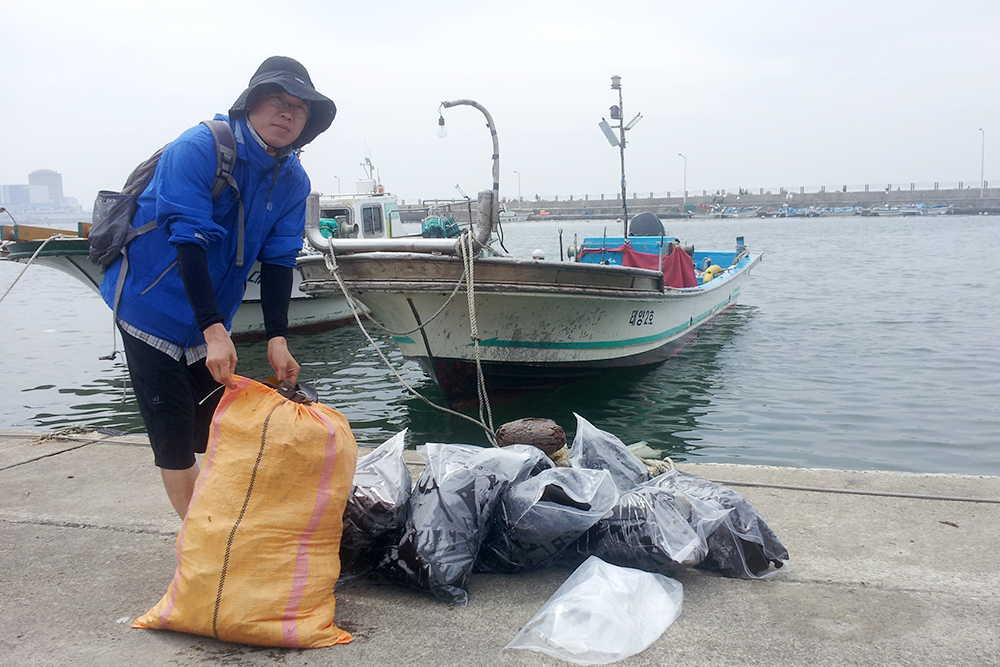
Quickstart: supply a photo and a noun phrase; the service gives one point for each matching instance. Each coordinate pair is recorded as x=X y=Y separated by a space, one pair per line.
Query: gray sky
x=756 y=94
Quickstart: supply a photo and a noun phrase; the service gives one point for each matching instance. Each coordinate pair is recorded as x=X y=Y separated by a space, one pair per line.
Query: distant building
x=52 y=180
x=41 y=201
x=24 y=195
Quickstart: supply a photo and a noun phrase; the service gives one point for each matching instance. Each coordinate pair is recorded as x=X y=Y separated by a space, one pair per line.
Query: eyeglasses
x=297 y=109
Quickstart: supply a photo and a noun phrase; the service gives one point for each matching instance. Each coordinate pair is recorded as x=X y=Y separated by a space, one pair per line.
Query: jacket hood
x=293 y=78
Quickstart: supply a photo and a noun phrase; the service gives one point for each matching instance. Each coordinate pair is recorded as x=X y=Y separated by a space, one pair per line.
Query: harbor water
x=858 y=343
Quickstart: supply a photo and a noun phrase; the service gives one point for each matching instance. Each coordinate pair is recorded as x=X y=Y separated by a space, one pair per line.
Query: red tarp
x=678 y=268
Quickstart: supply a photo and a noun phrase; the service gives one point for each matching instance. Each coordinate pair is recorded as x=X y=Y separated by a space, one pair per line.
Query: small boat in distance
x=506 y=215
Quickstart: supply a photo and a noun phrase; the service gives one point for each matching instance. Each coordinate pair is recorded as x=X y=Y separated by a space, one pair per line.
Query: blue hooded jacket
x=274 y=193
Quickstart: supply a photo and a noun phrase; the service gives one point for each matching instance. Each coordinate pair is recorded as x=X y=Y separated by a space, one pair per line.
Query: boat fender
x=711 y=272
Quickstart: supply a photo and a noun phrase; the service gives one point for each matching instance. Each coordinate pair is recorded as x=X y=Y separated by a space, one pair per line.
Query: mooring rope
x=32 y=259
x=331 y=265
x=467 y=248
x=425 y=322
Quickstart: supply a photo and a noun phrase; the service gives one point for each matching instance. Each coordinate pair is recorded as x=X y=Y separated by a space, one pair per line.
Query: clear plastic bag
x=450 y=511
x=541 y=516
x=742 y=544
x=602 y=613
x=651 y=529
x=377 y=509
x=599 y=450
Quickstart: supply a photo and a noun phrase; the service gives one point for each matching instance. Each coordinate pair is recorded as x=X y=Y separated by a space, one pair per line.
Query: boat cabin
x=369 y=213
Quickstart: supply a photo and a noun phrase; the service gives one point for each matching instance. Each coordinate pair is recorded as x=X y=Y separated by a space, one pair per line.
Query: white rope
x=469 y=260
x=33 y=256
x=425 y=322
x=331 y=265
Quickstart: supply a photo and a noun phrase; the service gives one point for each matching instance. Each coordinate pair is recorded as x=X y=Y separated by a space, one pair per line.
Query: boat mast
x=616 y=84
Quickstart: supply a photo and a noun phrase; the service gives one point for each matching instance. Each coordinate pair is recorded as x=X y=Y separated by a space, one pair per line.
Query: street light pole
x=518 y=190
x=982 y=167
x=684 y=209
x=338 y=184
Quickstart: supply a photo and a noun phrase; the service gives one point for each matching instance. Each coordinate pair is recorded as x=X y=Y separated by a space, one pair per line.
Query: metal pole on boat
x=495 y=214
x=616 y=84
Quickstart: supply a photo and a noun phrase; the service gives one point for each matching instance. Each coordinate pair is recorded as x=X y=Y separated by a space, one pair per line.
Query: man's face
x=279 y=118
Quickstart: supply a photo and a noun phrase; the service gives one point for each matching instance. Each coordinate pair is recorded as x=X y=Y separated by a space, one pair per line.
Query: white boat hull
x=304 y=312
x=537 y=322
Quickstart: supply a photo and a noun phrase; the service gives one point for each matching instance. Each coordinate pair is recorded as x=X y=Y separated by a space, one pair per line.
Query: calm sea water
x=859 y=343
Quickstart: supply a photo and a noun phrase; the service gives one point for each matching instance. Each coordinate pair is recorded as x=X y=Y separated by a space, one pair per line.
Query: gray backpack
x=114 y=212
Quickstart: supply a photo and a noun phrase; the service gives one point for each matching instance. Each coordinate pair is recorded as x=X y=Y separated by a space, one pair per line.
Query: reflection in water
x=847 y=359
x=660 y=405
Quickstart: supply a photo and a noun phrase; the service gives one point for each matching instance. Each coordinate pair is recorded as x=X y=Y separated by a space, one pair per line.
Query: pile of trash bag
x=506 y=510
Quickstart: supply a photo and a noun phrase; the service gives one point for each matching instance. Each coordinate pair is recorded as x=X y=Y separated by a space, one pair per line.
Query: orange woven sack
x=258 y=553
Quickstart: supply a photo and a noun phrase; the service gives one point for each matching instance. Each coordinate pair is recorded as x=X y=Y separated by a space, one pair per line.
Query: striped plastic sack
x=258 y=553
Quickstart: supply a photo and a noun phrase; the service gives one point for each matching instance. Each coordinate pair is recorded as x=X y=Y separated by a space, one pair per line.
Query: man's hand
x=221 y=359
x=284 y=365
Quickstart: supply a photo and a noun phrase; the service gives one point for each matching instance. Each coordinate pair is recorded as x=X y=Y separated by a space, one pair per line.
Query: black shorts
x=168 y=393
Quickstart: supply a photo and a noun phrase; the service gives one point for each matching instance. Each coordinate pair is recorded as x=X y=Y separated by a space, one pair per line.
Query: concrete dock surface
x=886 y=569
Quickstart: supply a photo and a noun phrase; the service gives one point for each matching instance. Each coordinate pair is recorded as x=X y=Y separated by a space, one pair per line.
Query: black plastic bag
x=450 y=512
x=649 y=529
x=599 y=450
x=376 y=510
x=542 y=515
x=741 y=545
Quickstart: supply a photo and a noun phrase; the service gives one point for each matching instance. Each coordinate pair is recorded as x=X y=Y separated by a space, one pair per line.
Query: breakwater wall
x=964 y=201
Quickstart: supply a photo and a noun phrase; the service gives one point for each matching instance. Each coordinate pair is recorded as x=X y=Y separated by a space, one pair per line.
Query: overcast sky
x=767 y=94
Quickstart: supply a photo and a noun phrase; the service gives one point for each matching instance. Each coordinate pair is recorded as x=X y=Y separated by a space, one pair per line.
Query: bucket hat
x=294 y=80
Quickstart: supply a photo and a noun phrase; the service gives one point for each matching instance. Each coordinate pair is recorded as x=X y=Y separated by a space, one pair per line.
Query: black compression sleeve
x=192 y=263
x=275 y=295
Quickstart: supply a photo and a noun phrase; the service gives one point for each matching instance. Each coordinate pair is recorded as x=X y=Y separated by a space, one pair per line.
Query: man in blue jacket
x=184 y=284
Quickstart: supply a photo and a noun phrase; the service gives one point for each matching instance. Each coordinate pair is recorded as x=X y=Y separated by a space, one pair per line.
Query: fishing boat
x=370 y=213
x=887 y=210
x=531 y=323
x=506 y=215
x=481 y=322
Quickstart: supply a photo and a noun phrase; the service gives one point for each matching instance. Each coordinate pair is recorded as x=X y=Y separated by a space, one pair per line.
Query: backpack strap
x=225 y=163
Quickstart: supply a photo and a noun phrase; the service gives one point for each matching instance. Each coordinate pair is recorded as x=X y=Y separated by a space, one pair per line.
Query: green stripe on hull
x=552 y=345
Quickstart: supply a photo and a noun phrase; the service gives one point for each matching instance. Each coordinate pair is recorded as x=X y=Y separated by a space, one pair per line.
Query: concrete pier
x=886 y=569
x=966 y=201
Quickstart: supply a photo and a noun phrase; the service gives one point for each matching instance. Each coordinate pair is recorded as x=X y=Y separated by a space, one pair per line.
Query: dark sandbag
x=650 y=529
x=742 y=545
x=542 y=515
x=599 y=450
x=450 y=512
x=377 y=509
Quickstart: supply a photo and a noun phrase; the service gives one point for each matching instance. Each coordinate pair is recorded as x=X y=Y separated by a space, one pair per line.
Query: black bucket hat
x=294 y=79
